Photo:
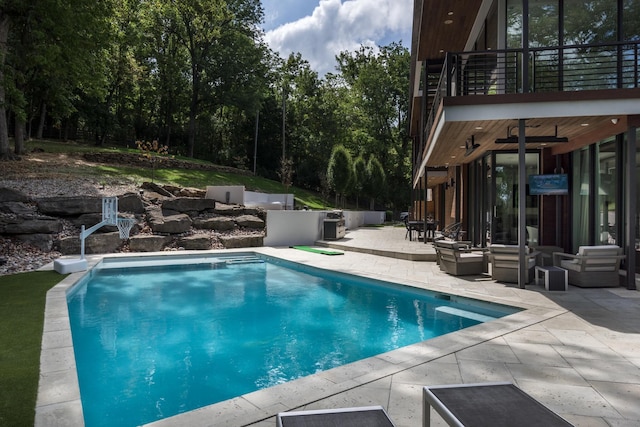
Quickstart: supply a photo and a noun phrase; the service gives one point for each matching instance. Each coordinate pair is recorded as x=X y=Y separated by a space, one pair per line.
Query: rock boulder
x=249 y=221
x=148 y=243
x=103 y=243
x=69 y=206
x=220 y=223
x=195 y=242
x=249 y=241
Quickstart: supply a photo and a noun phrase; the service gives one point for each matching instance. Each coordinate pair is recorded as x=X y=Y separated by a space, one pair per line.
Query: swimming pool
x=144 y=351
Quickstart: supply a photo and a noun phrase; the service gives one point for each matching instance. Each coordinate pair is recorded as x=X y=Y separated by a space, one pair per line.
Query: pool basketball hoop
x=124 y=227
x=109 y=217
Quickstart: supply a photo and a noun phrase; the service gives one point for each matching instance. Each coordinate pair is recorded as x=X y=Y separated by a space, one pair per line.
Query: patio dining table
x=428 y=227
x=417 y=226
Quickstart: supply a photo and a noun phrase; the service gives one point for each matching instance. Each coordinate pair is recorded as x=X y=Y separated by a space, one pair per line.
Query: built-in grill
x=334 y=226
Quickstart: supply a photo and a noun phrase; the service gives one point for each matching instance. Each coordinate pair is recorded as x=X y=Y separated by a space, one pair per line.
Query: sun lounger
x=487 y=405
x=366 y=416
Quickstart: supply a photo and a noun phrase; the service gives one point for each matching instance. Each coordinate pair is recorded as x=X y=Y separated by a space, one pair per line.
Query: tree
x=5 y=24
x=203 y=27
x=360 y=177
x=64 y=42
x=376 y=185
x=310 y=121
x=376 y=108
x=340 y=171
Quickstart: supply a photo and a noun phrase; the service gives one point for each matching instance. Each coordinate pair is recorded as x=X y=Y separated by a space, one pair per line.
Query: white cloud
x=336 y=26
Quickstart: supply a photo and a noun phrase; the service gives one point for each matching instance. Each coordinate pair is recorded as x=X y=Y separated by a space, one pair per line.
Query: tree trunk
x=193 y=113
x=43 y=115
x=19 y=136
x=5 y=23
x=167 y=141
x=192 y=132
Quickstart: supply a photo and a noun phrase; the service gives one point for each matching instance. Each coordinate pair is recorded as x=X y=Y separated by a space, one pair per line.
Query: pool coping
x=59 y=402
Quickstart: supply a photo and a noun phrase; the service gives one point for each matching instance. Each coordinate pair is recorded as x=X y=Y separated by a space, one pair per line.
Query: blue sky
x=321 y=29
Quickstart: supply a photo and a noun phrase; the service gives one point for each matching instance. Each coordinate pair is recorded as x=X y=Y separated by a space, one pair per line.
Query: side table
x=555 y=278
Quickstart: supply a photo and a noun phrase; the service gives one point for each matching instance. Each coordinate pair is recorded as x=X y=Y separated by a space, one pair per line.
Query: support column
x=425 y=210
x=522 y=212
x=631 y=175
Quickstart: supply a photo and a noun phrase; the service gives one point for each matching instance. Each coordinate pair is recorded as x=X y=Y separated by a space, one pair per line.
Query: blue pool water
x=152 y=342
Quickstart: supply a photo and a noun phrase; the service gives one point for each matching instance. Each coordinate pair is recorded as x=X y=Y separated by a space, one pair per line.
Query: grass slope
x=181 y=177
x=22 y=301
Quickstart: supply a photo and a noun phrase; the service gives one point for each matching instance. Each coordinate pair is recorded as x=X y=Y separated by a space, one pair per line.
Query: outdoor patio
x=577 y=352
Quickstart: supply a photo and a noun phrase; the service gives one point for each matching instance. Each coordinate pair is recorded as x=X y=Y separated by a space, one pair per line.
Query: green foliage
x=340 y=170
x=376 y=108
x=186 y=177
x=22 y=300
x=376 y=184
x=286 y=172
x=194 y=75
x=151 y=151
x=360 y=177
x=360 y=174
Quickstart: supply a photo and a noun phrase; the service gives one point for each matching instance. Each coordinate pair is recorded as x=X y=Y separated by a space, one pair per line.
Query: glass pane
x=514 y=24
x=589 y=22
x=631 y=20
x=580 y=198
x=543 y=23
x=607 y=190
x=506 y=200
x=488 y=207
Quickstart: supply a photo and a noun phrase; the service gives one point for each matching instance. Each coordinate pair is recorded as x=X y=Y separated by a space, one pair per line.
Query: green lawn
x=22 y=300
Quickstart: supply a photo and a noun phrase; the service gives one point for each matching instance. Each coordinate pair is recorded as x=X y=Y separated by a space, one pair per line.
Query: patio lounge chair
x=458 y=259
x=452 y=231
x=505 y=263
x=366 y=416
x=486 y=404
x=592 y=266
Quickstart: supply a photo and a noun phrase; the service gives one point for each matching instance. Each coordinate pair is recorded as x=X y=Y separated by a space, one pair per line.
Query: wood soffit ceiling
x=436 y=35
x=450 y=149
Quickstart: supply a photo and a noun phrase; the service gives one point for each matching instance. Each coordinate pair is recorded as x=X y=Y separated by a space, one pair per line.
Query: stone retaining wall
x=162 y=221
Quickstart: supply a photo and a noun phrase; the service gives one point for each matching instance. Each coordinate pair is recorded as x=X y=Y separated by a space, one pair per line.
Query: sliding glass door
x=504 y=222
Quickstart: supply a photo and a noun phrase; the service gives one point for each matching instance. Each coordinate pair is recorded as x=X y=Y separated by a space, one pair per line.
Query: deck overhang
x=582 y=117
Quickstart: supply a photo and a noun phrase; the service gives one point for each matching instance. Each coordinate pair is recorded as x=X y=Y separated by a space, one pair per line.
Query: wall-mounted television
x=554 y=184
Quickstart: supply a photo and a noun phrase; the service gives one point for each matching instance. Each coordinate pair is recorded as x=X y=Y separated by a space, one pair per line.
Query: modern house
x=523 y=116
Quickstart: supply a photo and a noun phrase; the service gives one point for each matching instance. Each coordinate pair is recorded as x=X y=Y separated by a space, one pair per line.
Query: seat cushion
x=601 y=250
x=470 y=257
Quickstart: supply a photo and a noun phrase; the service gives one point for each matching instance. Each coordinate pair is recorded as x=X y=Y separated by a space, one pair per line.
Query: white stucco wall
x=355 y=219
x=219 y=193
x=288 y=228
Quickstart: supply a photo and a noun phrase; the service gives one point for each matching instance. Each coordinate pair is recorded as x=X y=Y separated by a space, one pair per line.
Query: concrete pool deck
x=577 y=352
